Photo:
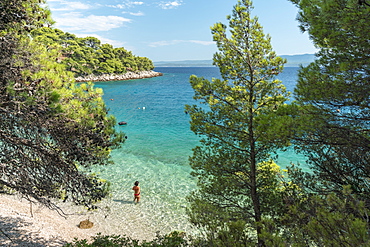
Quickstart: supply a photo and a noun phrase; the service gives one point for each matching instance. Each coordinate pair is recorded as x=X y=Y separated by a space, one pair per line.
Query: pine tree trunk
x=253 y=172
x=255 y=200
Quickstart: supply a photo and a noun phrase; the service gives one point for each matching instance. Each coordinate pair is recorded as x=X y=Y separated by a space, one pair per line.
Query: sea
x=156 y=152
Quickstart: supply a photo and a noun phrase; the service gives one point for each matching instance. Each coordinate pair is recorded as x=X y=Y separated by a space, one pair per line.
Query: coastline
x=121 y=77
x=45 y=227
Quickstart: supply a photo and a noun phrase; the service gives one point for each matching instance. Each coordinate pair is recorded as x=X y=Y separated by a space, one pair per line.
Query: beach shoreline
x=45 y=227
x=120 y=77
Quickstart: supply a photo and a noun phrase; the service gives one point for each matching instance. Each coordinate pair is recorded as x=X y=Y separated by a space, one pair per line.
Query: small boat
x=122 y=123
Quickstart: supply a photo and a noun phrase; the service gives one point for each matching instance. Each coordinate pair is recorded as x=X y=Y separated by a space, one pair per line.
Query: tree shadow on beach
x=12 y=234
x=123 y=201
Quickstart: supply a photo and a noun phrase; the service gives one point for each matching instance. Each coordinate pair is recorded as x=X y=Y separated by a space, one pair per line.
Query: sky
x=174 y=30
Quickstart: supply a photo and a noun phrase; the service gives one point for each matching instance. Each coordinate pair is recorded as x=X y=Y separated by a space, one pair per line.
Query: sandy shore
x=45 y=227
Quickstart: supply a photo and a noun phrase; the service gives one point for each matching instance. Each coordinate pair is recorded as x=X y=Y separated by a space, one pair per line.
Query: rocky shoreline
x=121 y=77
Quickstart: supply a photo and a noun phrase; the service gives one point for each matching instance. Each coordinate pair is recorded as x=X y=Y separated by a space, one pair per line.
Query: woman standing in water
x=136 y=189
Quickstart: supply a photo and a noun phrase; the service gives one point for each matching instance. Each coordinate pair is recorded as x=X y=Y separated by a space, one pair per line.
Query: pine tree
x=334 y=95
x=240 y=126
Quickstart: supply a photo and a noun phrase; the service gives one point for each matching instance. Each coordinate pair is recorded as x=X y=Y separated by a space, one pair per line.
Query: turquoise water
x=157 y=148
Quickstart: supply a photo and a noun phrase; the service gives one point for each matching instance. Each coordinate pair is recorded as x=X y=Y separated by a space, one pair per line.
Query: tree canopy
x=240 y=127
x=334 y=93
x=332 y=116
x=51 y=127
x=243 y=119
x=86 y=56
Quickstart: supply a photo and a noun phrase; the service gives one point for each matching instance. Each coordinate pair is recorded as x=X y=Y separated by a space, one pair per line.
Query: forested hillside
x=86 y=56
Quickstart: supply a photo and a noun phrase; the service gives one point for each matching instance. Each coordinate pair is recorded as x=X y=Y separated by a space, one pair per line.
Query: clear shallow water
x=157 y=149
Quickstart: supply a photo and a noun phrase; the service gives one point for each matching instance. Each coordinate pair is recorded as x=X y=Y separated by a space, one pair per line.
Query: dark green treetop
x=334 y=91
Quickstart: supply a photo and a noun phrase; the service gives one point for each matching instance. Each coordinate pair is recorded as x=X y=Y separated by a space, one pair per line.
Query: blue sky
x=174 y=30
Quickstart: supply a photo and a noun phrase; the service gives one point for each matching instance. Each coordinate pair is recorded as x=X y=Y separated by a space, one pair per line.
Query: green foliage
x=333 y=95
x=240 y=126
x=234 y=234
x=175 y=239
x=81 y=102
x=104 y=241
x=328 y=220
x=22 y=16
x=271 y=188
x=85 y=56
x=245 y=119
x=51 y=127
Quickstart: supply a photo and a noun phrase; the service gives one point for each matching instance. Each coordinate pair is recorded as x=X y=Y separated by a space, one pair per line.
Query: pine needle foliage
x=50 y=127
x=240 y=124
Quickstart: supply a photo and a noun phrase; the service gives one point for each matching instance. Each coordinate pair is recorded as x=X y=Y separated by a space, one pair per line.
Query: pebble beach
x=121 y=77
x=44 y=227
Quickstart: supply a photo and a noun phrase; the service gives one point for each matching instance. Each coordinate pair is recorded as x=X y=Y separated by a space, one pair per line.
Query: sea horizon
x=292 y=61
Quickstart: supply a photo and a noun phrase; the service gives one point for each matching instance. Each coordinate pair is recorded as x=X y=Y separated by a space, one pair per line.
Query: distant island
x=293 y=61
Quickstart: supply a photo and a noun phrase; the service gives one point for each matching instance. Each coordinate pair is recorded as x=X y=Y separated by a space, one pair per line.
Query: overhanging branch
x=363 y=2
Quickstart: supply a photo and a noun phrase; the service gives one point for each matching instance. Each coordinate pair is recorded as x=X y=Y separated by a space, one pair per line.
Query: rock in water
x=85 y=224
